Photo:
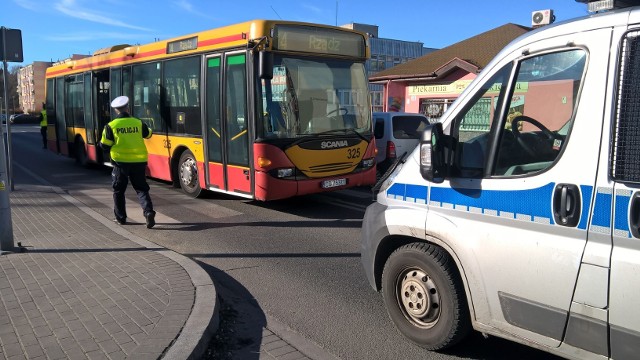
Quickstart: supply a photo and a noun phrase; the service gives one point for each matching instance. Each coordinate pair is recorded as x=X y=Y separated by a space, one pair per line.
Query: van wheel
x=188 y=174
x=81 y=153
x=424 y=296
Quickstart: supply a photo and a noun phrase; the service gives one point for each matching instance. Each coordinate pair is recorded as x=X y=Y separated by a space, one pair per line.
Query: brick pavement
x=85 y=289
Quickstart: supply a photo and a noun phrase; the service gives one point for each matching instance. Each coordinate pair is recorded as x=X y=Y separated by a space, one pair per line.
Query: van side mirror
x=265 y=65
x=432 y=166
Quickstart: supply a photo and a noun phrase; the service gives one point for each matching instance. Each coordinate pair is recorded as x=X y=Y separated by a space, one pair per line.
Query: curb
x=204 y=319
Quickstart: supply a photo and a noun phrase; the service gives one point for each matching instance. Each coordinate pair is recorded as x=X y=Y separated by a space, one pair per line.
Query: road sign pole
x=6 y=228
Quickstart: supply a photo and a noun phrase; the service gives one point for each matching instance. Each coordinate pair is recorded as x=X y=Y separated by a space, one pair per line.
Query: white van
x=396 y=133
x=530 y=230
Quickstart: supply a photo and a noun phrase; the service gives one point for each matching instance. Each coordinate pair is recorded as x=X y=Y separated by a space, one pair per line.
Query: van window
x=408 y=127
x=530 y=125
x=540 y=112
x=472 y=126
x=625 y=166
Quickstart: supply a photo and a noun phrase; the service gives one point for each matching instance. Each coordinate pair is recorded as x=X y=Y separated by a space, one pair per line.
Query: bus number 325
x=353 y=153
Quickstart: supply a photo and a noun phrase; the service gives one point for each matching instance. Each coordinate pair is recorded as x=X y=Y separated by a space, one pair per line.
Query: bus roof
x=236 y=35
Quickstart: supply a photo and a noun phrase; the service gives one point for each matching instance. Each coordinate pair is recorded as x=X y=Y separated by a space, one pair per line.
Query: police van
x=529 y=230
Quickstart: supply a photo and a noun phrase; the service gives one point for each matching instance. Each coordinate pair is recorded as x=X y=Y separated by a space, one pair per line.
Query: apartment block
x=31 y=86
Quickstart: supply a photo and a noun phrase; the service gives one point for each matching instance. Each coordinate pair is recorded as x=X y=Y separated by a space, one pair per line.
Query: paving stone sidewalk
x=86 y=289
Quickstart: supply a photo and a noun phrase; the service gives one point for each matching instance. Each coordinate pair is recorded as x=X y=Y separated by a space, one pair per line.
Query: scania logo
x=334 y=144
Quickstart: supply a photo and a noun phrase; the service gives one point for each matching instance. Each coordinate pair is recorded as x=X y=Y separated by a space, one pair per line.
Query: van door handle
x=634 y=215
x=566 y=205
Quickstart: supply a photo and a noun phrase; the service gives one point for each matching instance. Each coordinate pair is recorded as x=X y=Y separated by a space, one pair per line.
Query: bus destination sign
x=182 y=45
x=318 y=40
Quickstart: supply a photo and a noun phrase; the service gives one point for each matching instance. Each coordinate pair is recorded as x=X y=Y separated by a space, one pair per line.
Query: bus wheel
x=188 y=174
x=81 y=153
x=424 y=296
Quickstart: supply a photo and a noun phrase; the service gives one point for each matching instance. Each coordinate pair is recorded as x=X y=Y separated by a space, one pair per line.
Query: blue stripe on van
x=602 y=209
x=586 y=203
x=534 y=204
x=621 y=220
x=417 y=193
x=397 y=191
x=408 y=192
x=531 y=203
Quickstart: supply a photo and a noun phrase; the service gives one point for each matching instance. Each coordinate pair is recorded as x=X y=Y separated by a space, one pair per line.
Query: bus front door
x=227 y=163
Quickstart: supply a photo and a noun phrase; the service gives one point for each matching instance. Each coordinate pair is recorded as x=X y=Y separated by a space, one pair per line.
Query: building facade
x=385 y=54
x=429 y=84
x=31 y=86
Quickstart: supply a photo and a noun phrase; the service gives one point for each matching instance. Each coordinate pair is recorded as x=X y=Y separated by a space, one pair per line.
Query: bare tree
x=12 y=89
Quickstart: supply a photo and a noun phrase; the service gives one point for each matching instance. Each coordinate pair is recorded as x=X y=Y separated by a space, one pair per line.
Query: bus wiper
x=345 y=130
x=299 y=140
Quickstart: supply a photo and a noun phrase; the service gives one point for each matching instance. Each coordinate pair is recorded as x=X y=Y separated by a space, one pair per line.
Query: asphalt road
x=296 y=261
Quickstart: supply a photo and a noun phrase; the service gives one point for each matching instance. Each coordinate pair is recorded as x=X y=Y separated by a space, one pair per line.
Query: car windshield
x=314 y=96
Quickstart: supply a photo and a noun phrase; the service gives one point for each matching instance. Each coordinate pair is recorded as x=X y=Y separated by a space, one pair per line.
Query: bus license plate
x=333 y=183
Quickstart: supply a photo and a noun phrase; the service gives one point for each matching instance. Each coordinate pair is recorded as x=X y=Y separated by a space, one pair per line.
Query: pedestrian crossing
x=348 y=199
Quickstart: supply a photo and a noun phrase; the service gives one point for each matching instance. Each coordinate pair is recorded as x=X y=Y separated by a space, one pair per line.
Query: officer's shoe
x=120 y=221
x=151 y=219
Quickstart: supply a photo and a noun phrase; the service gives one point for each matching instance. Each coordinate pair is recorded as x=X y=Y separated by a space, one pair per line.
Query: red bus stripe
x=151 y=53
x=221 y=40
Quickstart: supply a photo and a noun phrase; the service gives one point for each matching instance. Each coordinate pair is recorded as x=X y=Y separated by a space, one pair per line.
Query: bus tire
x=425 y=297
x=188 y=174
x=81 y=153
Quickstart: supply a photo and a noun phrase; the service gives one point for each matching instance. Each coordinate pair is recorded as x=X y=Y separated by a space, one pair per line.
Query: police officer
x=43 y=125
x=123 y=137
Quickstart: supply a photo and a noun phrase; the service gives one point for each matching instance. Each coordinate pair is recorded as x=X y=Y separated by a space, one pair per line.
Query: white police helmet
x=120 y=101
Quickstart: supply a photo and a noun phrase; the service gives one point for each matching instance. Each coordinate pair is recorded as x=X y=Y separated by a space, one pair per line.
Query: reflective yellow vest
x=43 y=122
x=127 y=144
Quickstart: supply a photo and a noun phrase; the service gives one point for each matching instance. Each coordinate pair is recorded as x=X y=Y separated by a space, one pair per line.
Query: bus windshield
x=313 y=96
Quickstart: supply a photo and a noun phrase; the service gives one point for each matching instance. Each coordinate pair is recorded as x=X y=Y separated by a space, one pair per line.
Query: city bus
x=262 y=110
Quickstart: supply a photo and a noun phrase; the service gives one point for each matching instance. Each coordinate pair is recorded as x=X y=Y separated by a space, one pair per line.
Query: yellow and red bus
x=263 y=109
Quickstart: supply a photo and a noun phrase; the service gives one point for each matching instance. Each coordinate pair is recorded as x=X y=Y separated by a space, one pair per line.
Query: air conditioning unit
x=542 y=17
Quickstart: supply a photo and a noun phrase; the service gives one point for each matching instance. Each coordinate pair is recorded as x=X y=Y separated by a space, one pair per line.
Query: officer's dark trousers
x=43 y=132
x=121 y=174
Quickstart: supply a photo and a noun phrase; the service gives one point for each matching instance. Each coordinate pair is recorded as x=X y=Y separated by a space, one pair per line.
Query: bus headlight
x=367 y=163
x=286 y=172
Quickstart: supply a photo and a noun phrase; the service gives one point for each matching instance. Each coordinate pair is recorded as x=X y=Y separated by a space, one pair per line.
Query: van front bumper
x=374 y=229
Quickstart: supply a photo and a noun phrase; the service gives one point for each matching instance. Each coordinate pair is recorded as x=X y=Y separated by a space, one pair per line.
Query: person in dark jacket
x=124 y=138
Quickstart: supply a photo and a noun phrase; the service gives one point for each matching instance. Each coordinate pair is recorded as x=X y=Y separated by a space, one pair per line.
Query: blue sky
x=55 y=29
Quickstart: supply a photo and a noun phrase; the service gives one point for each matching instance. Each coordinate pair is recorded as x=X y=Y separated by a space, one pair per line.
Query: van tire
x=424 y=296
x=188 y=174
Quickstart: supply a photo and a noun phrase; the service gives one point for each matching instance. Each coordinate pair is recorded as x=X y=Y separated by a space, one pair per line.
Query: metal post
x=6 y=227
x=6 y=106
x=6 y=230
